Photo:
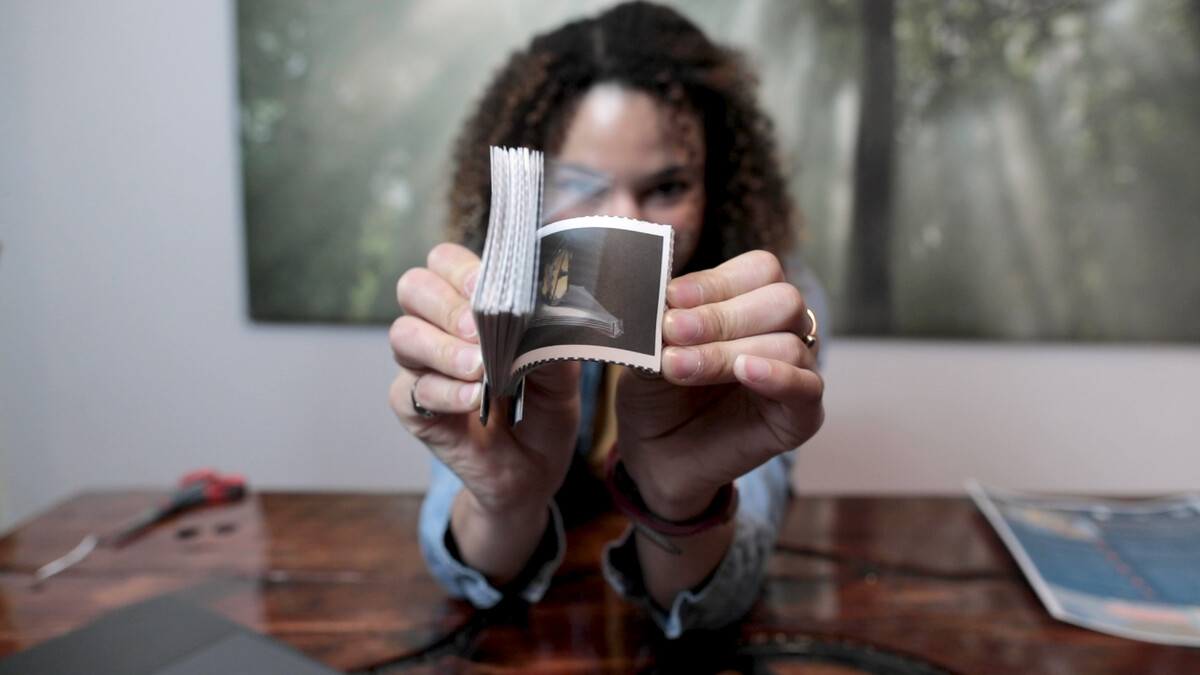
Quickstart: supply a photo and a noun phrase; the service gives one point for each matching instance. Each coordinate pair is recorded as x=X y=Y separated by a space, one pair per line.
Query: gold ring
x=412 y=395
x=811 y=338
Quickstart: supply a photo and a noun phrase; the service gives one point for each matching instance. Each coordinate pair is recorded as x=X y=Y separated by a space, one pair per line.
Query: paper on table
x=1121 y=566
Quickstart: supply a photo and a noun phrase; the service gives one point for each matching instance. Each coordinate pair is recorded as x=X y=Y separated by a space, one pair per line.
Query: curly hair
x=652 y=49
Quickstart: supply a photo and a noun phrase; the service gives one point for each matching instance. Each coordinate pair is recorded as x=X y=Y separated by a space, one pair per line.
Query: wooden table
x=917 y=585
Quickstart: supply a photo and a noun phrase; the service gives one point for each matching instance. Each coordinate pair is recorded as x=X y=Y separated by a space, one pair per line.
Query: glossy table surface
x=879 y=584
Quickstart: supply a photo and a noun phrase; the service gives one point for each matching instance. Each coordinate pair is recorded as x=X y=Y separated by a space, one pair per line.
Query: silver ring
x=811 y=338
x=412 y=395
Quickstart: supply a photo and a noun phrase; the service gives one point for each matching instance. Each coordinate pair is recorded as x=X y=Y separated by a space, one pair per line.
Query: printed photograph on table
x=997 y=170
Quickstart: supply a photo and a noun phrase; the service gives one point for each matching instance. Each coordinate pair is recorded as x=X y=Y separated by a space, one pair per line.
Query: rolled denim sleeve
x=734 y=586
x=456 y=577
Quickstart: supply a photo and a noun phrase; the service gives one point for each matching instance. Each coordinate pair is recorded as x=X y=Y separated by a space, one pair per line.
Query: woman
x=665 y=125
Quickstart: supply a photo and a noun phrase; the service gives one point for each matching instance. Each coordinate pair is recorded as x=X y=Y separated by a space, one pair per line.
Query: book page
x=504 y=297
x=602 y=291
x=589 y=288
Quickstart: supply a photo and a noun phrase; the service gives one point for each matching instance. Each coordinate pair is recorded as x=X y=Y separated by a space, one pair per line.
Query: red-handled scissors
x=196 y=488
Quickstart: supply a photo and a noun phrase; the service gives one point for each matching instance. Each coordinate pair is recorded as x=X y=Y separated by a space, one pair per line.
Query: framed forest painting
x=975 y=169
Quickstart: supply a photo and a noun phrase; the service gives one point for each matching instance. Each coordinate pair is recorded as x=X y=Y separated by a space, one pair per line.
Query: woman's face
x=624 y=154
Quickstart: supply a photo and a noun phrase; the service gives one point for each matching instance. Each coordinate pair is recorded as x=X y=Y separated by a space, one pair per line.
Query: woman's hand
x=510 y=475
x=738 y=385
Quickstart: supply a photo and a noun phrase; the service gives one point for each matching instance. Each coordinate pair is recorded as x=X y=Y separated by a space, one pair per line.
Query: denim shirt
x=725 y=597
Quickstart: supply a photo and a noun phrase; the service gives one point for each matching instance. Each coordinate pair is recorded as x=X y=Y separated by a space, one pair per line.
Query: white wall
x=126 y=356
x=923 y=417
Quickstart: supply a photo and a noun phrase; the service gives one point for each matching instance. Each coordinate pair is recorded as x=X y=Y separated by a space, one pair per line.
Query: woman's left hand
x=738 y=385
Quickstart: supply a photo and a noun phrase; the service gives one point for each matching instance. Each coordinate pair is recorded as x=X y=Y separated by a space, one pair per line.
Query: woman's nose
x=624 y=204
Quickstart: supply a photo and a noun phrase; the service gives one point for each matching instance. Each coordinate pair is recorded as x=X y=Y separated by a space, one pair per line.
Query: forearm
x=668 y=574
x=732 y=586
x=676 y=563
x=499 y=545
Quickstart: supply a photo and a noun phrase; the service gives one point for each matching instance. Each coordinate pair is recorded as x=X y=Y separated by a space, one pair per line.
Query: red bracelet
x=626 y=497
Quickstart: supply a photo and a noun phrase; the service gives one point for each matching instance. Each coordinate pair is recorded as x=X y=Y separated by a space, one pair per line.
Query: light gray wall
x=126 y=357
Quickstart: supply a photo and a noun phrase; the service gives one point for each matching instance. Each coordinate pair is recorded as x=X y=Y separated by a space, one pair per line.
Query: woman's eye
x=670 y=189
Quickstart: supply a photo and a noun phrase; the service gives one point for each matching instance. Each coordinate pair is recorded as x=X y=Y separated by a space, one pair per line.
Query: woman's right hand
x=505 y=471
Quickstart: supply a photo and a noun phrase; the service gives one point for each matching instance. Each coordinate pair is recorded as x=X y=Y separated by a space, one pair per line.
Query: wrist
x=508 y=516
x=500 y=544
x=664 y=496
x=717 y=510
x=674 y=507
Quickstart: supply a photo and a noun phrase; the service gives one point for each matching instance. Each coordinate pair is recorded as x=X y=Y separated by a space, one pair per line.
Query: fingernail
x=685 y=363
x=468 y=359
x=685 y=294
x=469 y=392
x=751 y=368
x=683 y=327
x=469 y=284
x=466 y=324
